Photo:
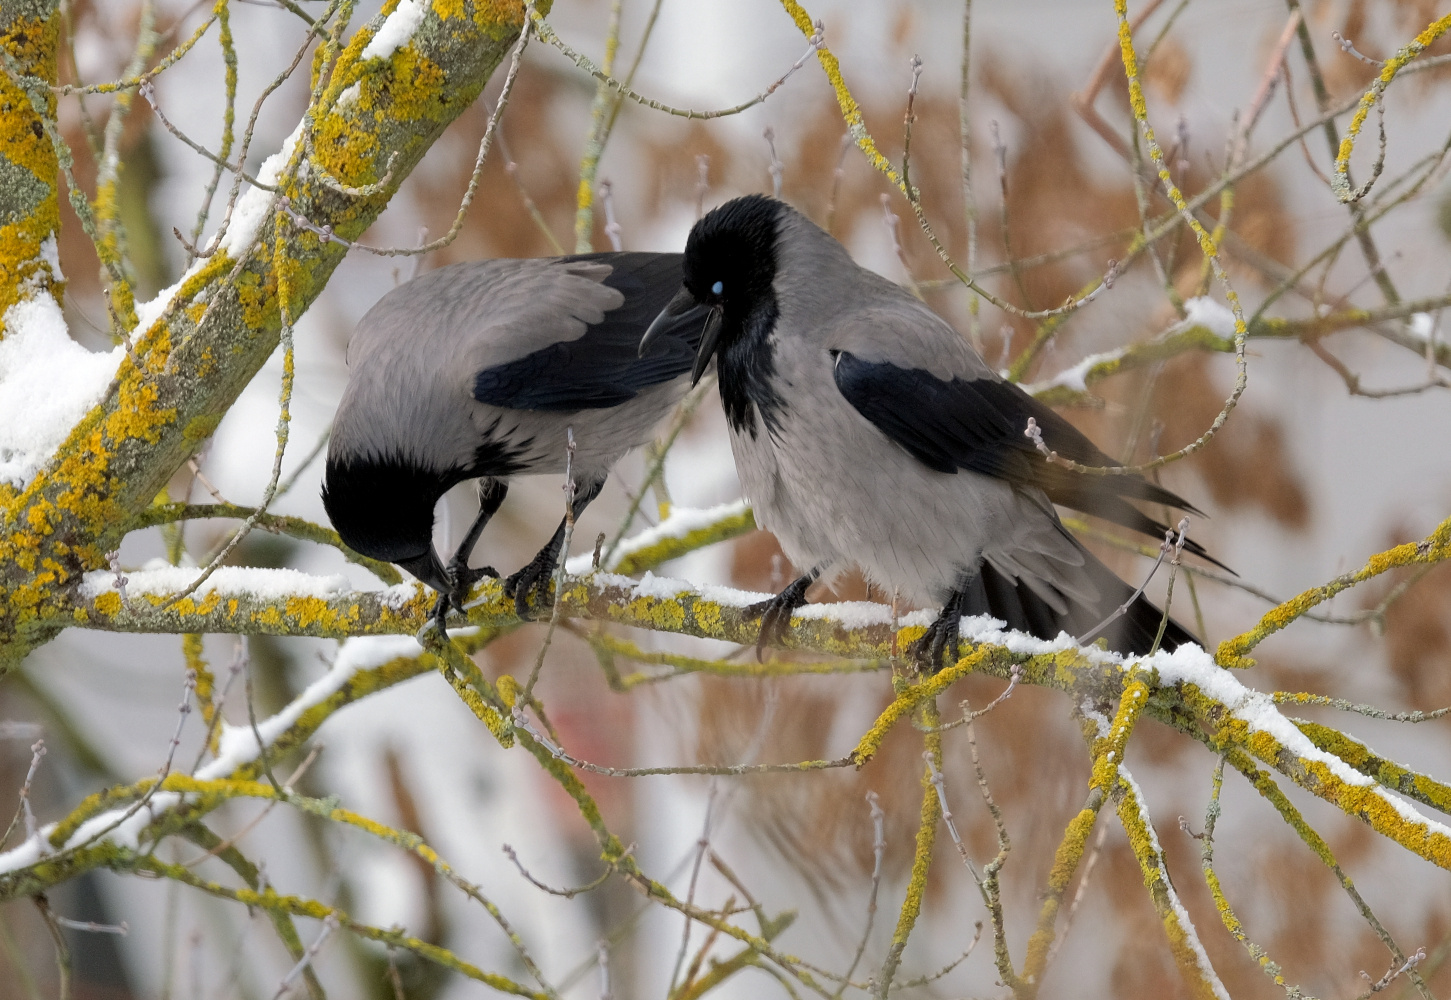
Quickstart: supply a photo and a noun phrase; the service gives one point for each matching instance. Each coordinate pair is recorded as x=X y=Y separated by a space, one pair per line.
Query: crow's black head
x=730 y=258
x=730 y=265
x=383 y=508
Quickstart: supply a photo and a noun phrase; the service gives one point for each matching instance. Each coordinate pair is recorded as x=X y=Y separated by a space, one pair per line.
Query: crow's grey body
x=835 y=490
x=866 y=430
x=482 y=371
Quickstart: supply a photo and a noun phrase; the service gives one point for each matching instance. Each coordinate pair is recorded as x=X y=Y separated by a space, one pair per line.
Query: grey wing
x=485 y=313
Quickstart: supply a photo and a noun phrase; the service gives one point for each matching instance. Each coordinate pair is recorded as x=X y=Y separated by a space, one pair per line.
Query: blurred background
x=1305 y=481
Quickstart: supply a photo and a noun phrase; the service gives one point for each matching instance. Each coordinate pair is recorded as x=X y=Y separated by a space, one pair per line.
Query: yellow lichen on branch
x=850 y=110
x=1434 y=548
x=1184 y=941
x=1340 y=180
x=29 y=205
x=1108 y=753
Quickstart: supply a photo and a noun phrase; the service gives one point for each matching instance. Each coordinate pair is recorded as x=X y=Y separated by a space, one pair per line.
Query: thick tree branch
x=376 y=117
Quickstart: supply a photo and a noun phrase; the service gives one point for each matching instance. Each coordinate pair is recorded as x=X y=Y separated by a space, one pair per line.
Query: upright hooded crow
x=481 y=371
x=866 y=430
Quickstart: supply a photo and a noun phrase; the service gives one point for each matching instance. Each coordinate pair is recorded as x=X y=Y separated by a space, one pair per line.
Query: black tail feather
x=1120 y=511
x=1013 y=601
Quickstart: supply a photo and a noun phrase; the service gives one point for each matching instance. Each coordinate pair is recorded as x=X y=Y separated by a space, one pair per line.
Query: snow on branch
x=47 y=383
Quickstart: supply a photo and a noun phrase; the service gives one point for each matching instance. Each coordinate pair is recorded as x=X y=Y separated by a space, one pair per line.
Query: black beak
x=674 y=311
x=708 y=341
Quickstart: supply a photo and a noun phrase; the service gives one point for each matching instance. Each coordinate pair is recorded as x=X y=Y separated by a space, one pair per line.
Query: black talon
x=775 y=614
x=461 y=579
x=536 y=577
x=944 y=635
x=533 y=579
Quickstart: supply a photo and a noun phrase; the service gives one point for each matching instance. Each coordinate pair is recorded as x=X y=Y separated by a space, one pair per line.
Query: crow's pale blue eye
x=717 y=288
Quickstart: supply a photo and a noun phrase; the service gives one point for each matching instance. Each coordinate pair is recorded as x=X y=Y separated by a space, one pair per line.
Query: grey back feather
x=414 y=356
x=832 y=303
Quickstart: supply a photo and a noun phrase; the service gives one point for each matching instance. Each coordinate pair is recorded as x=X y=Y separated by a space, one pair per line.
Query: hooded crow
x=484 y=371
x=866 y=430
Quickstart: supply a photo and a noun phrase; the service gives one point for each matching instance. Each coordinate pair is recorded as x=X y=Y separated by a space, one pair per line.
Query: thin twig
x=547 y=34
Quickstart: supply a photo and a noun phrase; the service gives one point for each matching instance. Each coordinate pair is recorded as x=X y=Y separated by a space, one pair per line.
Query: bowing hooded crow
x=483 y=371
x=866 y=430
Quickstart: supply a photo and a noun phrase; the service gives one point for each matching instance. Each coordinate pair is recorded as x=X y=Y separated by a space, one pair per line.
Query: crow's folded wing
x=979 y=424
x=601 y=368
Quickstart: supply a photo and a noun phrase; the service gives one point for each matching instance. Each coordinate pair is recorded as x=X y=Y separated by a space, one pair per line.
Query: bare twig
x=879 y=850
x=329 y=924
x=612 y=227
x=565 y=893
x=775 y=167
x=702 y=182
x=547 y=34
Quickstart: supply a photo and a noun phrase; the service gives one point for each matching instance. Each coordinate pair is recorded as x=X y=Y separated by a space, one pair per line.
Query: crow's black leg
x=942 y=636
x=534 y=578
x=460 y=577
x=775 y=614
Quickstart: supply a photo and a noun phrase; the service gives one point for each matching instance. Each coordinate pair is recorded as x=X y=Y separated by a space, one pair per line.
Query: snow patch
x=1076 y=377
x=268 y=585
x=659 y=587
x=252 y=206
x=48 y=382
x=1191 y=665
x=730 y=597
x=850 y=614
x=50 y=256
x=396 y=30
x=237 y=745
x=1422 y=326
x=1204 y=311
x=399 y=594
x=150 y=311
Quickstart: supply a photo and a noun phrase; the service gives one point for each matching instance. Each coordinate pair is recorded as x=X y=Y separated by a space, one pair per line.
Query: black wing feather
x=603 y=367
x=978 y=424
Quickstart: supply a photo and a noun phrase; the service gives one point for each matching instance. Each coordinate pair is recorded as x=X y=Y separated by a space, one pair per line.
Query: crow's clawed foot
x=533 y=580
x=940 y=645
x=775 y=614
x=461 y=579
